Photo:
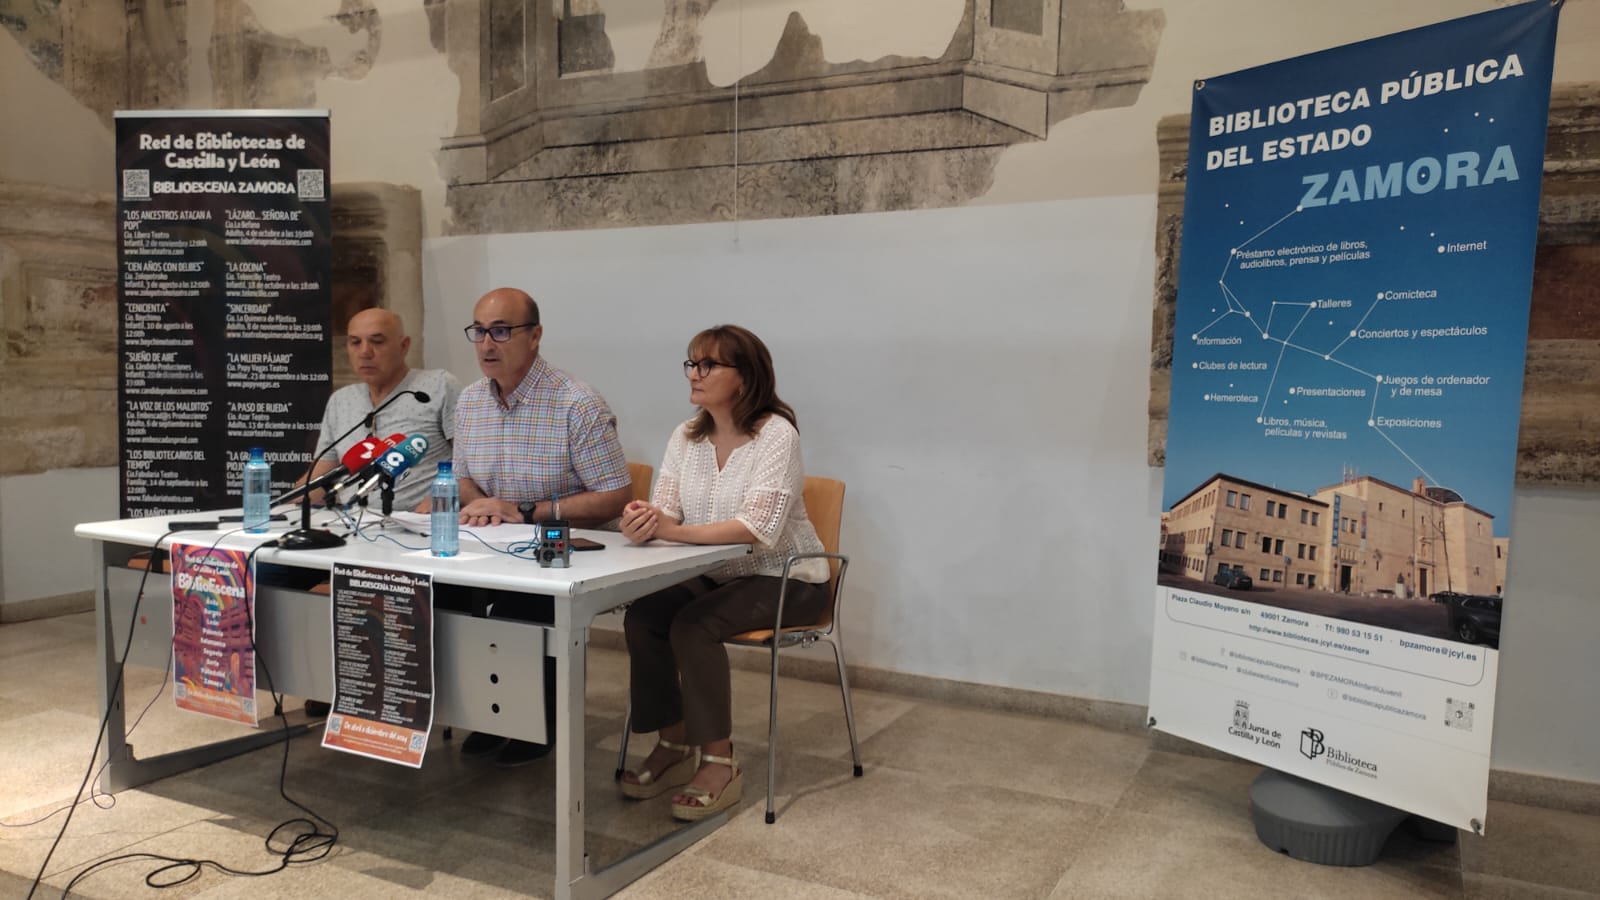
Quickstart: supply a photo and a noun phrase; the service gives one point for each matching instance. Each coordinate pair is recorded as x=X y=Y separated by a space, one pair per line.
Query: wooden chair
x=824 y=500
x=642 y=474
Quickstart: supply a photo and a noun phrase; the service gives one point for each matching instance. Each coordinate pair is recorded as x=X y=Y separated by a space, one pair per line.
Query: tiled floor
x=956 y=802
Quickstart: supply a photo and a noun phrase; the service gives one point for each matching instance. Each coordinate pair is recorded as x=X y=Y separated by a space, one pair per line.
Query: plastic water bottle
x=257 y=492
x=444 y=530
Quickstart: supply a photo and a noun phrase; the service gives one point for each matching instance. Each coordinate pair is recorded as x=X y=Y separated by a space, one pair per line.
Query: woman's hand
x=639 y=521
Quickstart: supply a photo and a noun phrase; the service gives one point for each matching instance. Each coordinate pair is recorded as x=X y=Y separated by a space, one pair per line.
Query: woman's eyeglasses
x=703 y=366
x=497 y=333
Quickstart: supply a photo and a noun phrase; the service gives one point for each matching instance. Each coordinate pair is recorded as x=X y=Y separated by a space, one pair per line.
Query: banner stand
x=1342 y=435
x=1318 y=824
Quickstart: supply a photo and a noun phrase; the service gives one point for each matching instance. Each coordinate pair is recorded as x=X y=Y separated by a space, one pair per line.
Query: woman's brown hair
x=741 y=349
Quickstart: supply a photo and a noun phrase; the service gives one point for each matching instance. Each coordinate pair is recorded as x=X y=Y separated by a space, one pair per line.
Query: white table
x=294 y=638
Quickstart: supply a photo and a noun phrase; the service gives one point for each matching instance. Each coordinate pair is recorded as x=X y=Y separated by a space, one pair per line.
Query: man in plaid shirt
x=529 y=437
x=532 y=443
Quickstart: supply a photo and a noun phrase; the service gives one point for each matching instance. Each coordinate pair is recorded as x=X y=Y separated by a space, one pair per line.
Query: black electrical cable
x=310 y=845
x=116 y=688
x=99 y=798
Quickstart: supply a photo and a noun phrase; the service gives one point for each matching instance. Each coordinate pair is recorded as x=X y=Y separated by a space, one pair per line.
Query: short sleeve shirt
x=434 y=420
x=554 y=436
x=762 y=485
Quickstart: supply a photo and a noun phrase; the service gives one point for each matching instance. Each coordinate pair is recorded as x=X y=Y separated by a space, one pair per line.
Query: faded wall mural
x=566 y=132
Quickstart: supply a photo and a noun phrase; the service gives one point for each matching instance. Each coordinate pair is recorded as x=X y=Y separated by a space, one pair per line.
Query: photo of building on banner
x=382 y=663
x=213 y=655
x=1352 y=317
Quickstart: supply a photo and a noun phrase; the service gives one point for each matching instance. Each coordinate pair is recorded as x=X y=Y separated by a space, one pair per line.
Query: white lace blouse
x=760 y=485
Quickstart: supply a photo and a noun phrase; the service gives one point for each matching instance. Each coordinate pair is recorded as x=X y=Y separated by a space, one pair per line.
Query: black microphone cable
x=95 y=794
x=310 y=845
x=105 y=719
x=99 y=798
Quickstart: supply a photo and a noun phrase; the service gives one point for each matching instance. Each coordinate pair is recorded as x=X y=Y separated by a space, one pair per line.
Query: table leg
x=125 y=770
x=111 y=693
x=575 y=879
x=571 y=647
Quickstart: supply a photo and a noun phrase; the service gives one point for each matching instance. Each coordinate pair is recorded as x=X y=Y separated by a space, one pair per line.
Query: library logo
x=1311 y=745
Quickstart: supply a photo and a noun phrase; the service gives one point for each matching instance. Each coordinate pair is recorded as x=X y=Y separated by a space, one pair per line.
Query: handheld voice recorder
x=555 y=544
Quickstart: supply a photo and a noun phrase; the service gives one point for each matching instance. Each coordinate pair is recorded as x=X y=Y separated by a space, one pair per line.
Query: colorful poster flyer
x=213 y=652
x=382 y=663
x=224 y=258
x=1352 y=317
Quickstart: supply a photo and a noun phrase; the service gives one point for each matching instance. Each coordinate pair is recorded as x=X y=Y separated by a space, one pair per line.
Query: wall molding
x=1504 y=786
x=46 y=607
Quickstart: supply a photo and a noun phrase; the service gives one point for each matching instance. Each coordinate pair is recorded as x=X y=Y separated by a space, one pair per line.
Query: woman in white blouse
x=731 y=475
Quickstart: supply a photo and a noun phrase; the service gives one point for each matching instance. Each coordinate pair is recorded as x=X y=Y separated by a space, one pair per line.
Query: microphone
x=333 y=475
x=315 y=484
x=403 y=455
x=305 y=537
x=335 y=479
x=361 y=462
x=395 y=462
x=422 y=397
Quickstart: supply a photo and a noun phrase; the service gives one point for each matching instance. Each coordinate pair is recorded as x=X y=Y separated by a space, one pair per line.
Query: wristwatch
x=527 y=507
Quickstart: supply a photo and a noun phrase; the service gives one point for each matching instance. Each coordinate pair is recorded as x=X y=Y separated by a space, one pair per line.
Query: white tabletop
x=477 y=566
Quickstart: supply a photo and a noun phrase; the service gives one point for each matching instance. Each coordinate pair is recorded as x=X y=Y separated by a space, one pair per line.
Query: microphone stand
x=307 y=538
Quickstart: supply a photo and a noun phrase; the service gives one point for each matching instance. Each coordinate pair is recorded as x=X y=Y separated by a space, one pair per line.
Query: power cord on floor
x=103 y=799
x=116 y=689
x=99 y=798
x=309 y=845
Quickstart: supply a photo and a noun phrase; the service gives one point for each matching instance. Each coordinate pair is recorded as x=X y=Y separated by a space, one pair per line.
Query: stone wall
x=58 y=310
x=557 y=139
x=58 y=364
x=1560 y=434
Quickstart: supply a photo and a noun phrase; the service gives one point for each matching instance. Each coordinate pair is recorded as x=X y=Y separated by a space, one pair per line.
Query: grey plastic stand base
x=1319 y=824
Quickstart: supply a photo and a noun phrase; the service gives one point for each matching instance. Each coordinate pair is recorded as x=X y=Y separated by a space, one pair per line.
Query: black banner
x=382 y=663
x=224 y=301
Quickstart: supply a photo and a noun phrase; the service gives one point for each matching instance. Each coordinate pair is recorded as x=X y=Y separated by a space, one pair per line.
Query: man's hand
x=489 y=511
x=640 y=521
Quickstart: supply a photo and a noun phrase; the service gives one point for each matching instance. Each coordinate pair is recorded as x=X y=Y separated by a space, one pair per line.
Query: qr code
x=249 y=705
x=1458 y=713
x=180 y=691
x=309 y=184
x=334 y=724
x=136 y=184
x=416 y=741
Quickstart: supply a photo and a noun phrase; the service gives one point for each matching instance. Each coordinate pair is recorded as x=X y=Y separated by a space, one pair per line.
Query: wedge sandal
x=652 y=785
x=708 y=804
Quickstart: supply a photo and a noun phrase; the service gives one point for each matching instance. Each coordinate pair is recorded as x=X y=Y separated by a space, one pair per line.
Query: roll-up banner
x=224 y=259
x=1352 y=316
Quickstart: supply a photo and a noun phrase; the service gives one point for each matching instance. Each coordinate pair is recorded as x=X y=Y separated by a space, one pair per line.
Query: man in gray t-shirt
x=377 y=343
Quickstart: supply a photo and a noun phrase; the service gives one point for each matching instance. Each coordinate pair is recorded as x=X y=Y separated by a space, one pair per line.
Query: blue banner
x=1352 y=317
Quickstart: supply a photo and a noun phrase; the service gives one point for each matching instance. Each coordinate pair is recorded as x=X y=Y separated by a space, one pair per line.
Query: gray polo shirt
x=434 y=420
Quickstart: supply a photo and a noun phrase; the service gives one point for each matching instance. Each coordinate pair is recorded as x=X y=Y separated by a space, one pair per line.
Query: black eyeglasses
x=703 y=366
x=497 y=333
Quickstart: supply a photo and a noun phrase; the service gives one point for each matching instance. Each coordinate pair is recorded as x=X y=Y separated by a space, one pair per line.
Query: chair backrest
x=824 y=499
x=642 y=474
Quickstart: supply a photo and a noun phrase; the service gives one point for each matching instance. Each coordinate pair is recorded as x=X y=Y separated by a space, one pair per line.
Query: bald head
x=378 y=320
x=509 y=300
x=377 y=343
